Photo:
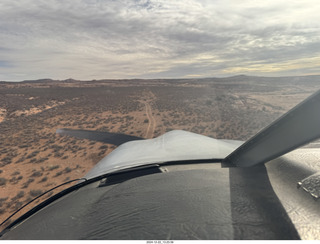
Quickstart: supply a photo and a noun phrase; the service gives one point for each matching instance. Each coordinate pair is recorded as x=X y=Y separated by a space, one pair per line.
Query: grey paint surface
x=171 y=146
x=192 y=204
x=284 y=174
x=182 y=202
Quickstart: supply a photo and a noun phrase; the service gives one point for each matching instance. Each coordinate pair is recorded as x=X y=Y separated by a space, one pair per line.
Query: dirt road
x=151 y=121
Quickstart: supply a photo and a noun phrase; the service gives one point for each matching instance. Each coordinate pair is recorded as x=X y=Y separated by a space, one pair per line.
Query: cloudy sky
x=96 y=39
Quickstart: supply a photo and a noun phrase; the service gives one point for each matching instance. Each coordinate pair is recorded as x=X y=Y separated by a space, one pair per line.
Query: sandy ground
x=26 y=179
x=36 y=110
x=2 y=114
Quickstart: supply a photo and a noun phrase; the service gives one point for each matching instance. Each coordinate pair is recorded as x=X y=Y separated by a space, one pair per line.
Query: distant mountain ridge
x=236 y=78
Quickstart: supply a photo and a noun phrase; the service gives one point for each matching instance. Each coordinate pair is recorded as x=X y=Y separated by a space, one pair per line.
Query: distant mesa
x=38 y=81
x=47 y=80
x=70 y=80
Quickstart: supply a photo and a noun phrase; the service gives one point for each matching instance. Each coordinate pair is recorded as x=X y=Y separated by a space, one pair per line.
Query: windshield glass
x=140 y=69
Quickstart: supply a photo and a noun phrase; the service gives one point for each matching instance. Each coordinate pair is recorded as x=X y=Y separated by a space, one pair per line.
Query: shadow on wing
x=107 y=137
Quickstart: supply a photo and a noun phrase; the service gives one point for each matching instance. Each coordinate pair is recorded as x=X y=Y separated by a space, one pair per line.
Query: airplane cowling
x=175 y=145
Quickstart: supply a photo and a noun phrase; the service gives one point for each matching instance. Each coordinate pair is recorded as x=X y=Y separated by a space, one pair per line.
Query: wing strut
x=297 y=127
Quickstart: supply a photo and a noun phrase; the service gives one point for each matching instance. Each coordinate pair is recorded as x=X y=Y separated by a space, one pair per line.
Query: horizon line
x=182 y=78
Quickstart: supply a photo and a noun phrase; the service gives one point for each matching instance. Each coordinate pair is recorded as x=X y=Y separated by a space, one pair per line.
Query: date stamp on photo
x=159 y=242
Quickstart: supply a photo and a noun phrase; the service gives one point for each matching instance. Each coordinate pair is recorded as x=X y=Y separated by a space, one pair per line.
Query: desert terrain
x=34 y=159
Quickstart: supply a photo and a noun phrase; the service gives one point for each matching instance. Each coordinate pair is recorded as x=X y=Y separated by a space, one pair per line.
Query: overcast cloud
x=96 y=39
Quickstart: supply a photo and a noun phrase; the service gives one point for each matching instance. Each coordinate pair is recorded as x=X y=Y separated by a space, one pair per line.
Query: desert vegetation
x=34 y=159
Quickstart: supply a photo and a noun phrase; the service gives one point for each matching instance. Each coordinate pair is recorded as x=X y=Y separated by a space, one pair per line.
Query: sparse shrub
x=20 y=160
x=53 y=167
x=33 y=160
x=36 y=174
x=6 y=160
x=3 y=181
x=67 y=170
x=19 y=195
x=146 y=121
x=15 y=173
x=41 y=160
x=35 y=193
x=17 y=206
x=26 y=184
x=14 y=180
x=56 y=148
x=2 y=201
x=58 y=174
x=104 y=147
x=28 y=199
x=33 y=154
x=58 y=155
x=44 y=179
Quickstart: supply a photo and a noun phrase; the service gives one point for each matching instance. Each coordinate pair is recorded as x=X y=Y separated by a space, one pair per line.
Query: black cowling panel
x=186 y=204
